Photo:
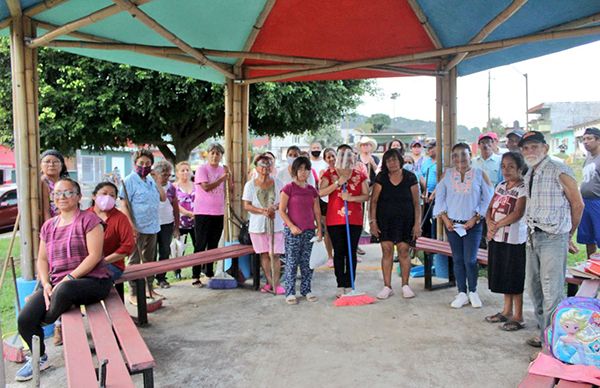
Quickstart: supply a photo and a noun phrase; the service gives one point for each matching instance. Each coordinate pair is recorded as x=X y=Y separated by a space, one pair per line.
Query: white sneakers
x=385 y=293
x=407 y=293
x=462 y=299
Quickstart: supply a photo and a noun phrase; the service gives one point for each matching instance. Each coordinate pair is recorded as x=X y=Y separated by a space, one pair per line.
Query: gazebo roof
x=311 y=39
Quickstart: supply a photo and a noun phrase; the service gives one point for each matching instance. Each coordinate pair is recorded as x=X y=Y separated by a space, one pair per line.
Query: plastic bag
x=178 y=246
x=318 y=256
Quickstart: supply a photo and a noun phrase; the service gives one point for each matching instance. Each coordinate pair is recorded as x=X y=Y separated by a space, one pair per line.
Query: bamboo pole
x=144 y=18
x=79 y=23
x=301 y=66
x=439 y=138
x=447 y=135
x=260 y=21
x=503 y=16
x=74 y=34
x=425 y=23
x=41 y=7
x=452 y=106
x=536 y=37
x=228 y=141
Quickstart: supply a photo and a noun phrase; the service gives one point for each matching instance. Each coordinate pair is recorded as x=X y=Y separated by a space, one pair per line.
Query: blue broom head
x=222 y=284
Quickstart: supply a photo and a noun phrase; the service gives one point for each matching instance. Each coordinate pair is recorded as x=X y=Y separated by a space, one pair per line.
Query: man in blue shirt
x=487 y=160
x=428 y=179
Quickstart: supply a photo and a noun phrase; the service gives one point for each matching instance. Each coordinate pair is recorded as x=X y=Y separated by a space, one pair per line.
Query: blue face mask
x=290 y=160
x=409 y=167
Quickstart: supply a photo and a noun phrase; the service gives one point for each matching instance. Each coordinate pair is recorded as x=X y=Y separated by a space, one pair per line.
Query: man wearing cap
x=366 y=146
x=553 y=212
x=513 y=139
x=416 y=149
x=588 y=232
x=428 y=180
x=487 y=160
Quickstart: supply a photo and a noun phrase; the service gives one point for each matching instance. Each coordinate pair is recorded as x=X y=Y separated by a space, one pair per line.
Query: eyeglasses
x=51 y=162
x=64 y=194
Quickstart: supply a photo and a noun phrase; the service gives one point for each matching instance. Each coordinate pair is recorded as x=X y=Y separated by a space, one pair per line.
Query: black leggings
x=192 y=233
x=337 y=233
x=66 y=294
x=208 y=233
x=163 y=239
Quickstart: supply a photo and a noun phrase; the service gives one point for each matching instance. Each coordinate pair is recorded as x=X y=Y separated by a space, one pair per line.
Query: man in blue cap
x=588 y=232
x=553 y=212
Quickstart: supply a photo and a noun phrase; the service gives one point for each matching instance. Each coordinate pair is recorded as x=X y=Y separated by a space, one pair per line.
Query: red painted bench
x=139 y=272
x=119 y=348
x=588 y=288
x=429 y=245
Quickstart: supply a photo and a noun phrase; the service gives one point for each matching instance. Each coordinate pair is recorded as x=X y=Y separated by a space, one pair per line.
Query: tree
x=86 y=102
x=380 y=121
x=495 y=125
x=328 y=136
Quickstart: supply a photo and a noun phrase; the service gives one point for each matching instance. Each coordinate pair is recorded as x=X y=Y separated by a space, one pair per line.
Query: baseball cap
x=592 y=131
x=532 y=136
x=415 y=142
x=491 y=135
x=431 y=144
x=517 y=132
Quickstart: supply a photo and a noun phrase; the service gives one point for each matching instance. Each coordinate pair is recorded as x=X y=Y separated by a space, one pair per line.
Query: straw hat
x=367 y=140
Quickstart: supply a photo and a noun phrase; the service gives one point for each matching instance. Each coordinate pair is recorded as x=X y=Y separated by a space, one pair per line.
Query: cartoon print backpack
x=574 y=333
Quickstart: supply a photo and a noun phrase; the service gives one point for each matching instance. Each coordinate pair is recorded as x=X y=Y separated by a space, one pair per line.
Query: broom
x=353 y=298
x=222 y=280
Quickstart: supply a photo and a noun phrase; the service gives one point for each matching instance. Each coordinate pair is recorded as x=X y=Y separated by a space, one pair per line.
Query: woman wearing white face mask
x=285 y=174
x=118 y=234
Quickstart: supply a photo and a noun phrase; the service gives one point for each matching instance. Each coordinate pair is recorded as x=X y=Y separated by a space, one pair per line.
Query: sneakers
x=407 y=293
x=57 y=340
x=474 y=299
x=460 y=300
x=385 y=293
x=197 y=283
x=291 y=299
x=339 y=292
x=311 y=297
x=330 y=263
x=26 y=372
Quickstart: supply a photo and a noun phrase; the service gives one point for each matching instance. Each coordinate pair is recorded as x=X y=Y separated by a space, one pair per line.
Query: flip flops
x=513 y=326
x=496 y=318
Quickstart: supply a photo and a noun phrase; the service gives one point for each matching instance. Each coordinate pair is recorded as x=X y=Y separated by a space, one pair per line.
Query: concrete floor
x=242 y=338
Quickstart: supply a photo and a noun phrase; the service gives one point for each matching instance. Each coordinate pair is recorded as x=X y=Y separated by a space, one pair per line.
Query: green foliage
x=495 y=125
x=379 y=121
x=328 y=136
x=85 y=102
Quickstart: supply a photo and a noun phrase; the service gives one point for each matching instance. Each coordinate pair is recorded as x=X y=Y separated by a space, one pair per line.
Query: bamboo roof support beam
x=33 y=10
x=143 y=17
x=503 y=16
x=260 y=21
x=77 y=35
x=79 y=23
x=425 y=23
x=503 y=43
x=582 y=22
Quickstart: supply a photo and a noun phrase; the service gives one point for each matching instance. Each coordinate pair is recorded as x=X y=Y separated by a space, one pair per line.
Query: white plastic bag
x=178 y=246
x=318 y=256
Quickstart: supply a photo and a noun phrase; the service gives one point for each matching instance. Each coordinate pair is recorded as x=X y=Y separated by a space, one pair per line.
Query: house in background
x=7 y=165
x=557 y=120
x=94 y=167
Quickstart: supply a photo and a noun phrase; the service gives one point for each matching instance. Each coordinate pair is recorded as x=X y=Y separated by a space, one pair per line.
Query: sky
x=570 y=75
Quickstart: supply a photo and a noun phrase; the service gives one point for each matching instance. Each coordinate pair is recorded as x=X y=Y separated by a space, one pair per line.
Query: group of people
x=525 y=204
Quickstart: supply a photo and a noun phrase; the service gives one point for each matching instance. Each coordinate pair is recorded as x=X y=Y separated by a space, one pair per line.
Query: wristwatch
x=70 y=277
x=337 y=183
x=478 y=220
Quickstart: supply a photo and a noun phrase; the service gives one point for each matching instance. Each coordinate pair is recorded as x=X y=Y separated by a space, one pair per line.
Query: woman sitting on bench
x=70 y=268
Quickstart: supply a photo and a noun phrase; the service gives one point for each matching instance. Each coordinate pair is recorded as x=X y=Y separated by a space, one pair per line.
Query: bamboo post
x=446 y=135
x=2 y=369
x=439 y=138
x=452 y=105
x=22 y=120
x=228 y=143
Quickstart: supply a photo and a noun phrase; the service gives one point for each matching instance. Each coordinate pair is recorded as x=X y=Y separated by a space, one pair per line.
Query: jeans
x=339 y=241
x=297 y=253
x=64 y=295
x=464 y=255
x=545 y=273
x=208 y=233
x=164 y=238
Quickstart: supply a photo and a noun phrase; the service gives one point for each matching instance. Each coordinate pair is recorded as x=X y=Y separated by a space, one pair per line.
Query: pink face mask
x=105 y=202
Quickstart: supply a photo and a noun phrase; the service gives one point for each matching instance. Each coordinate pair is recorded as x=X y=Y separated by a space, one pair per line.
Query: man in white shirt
x=316 y=159
x=487 y=160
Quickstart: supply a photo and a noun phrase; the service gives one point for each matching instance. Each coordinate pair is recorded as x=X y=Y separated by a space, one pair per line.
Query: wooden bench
x=430 y=246
x=588 y=288
x=139 y=272
x=120 y=349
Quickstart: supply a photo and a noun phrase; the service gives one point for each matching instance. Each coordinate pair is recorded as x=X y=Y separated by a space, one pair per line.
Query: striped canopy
x=310 y=39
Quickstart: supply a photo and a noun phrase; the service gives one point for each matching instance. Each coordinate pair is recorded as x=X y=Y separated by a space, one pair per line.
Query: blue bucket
x=440 y=263
x=26 y=288
x=244 y=263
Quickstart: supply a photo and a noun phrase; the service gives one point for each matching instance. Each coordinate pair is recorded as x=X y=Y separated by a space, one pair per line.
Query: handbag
x=244 y=226
x=318 y=255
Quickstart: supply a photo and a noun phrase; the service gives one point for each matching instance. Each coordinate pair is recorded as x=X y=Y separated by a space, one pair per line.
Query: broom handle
x=228 y=204
x=272 y=254
x=348 y=239
x=10 y=248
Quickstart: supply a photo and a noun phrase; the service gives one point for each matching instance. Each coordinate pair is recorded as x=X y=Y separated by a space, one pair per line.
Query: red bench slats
x=537 y=381
x=107 y=347
x=137 y=355
x=78 y=357
x=443 y=247
x=138 y=271
x=572 y=384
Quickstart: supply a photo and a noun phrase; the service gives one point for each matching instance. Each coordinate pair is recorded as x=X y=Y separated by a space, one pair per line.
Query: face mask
x=290 y=160
x=409 y=167
x=143 y=171
x=105 y=202
x=315 y=154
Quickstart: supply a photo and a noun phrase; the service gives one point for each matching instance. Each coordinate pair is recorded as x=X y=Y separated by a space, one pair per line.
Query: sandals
x=513 y=326
x=197 y=283
x=496 y=318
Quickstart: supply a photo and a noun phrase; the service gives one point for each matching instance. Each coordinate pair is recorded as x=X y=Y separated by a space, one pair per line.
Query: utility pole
x=526 y=102
x=489 y=121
